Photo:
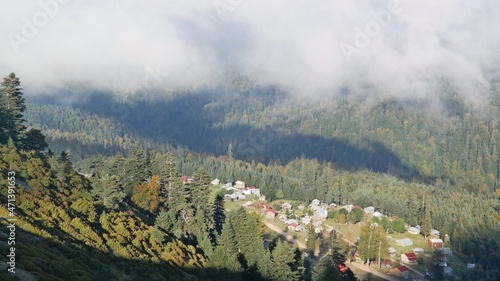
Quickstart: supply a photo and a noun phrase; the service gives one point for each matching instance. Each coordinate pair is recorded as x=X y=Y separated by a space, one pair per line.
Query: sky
x=310 y=48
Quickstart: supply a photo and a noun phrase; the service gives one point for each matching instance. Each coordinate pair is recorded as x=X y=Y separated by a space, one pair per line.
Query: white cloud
x=295 y=44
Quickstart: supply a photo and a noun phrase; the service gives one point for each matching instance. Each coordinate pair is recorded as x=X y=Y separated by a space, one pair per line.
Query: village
x=408 y=254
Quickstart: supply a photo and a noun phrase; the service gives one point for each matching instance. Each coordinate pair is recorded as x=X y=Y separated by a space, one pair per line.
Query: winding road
x=302 y=246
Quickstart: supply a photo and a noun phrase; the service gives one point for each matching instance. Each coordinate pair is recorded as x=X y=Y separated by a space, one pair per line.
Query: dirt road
x=287 y=236
x=372 y=271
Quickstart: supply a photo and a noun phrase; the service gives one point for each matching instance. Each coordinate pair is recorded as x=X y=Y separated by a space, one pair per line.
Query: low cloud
x=311 y=48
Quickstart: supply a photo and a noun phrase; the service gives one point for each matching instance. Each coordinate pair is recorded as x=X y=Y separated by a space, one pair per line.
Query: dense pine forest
x=131 y=217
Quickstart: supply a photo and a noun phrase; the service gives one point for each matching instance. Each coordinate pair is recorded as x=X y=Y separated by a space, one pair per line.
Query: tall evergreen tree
x=4 y=118
x=283 y=259
x=11 y=93
x=311 y=240
x=136 y=168
x=339 y=248
x=169 y=176
x=35 y=140
x=199 y=195
x=219 y=215
x=119 y=166
x=326 y=270
x=108 y=191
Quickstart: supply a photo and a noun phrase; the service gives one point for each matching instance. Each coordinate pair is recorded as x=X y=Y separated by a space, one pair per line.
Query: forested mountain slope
x=446 y=138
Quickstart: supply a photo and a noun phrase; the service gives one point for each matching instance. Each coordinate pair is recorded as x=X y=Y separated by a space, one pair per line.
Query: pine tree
x=311 y=240
x=65 y=161
x=4 y=118
x=136 y=168
x=219 y=215
x=199 y=198
x=230 y=151
x=35 y=140
x=119 y=165
x=436 y=262
x=169 y=175
x=108 y=191
x=283 y=258
x=339 y=248
x=326 y=270
x=12 y=94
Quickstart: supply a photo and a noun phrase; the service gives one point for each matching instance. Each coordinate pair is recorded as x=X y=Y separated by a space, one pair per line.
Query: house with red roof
x=292 y=226
x=401 y=271
x=270 y=213
x=409 y=258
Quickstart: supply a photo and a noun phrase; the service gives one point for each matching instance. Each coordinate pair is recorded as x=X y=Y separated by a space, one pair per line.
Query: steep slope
x=61 y=234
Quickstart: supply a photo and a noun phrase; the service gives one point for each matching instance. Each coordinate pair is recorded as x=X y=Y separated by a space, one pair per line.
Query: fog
x=310 y=48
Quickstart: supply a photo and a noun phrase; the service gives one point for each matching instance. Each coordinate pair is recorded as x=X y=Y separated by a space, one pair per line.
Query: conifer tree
x=169 y=176
x=35 y=140
x=339 y=248
x=199 y=200
x=219 y=215
x=283 y=258
x=436 y=262
x=108 y=191
x=119 y=166
x=136 y=168
x=326 y=270
x=311 y=240
x=12 y=96
x=4 y=118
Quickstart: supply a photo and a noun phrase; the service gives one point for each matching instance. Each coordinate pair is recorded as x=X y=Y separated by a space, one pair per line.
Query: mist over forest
x=249 y=140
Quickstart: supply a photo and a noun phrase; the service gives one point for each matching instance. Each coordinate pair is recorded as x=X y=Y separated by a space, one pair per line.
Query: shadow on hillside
x=197 y=121
x=49 y=259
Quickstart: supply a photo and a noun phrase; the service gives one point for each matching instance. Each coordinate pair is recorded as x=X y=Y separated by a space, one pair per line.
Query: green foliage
x=373 y=243
x=399 y=225
x=65 y=241
x=11 y=93
x=311 y=240
x=136 y=169
x=279 y=194
x=356 y=215
x=147 y=195
x=12 y=121
x=283 y=258
x=108 y=191
x=326 y=270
